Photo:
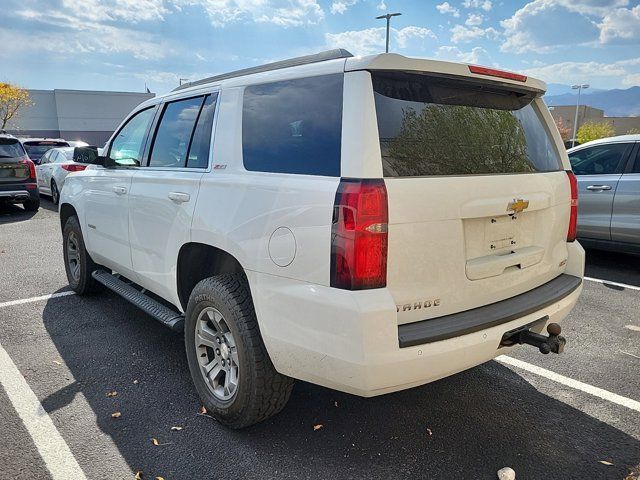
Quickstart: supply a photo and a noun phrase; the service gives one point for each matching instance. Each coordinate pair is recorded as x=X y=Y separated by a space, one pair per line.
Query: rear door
x=625 y=221
x=164 y=192
x=598 y=169
x=478 y=196
x=41 y=170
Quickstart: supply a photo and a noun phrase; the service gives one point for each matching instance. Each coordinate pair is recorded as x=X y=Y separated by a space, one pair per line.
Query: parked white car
x=364 y=223
x=55 y=164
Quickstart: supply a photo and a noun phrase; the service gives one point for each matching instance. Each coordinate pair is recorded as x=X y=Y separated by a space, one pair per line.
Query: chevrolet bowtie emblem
x=517 y=206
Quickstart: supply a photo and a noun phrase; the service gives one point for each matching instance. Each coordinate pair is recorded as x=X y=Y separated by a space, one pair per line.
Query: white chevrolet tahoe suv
x=369 y=224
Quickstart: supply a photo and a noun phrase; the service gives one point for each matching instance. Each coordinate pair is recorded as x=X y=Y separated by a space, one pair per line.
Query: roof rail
x=292 y=62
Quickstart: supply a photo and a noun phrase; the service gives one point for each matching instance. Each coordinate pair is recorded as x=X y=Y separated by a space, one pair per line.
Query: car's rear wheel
x=55 y=194
x=229 y=364
x=77 y=262
x=32 y=205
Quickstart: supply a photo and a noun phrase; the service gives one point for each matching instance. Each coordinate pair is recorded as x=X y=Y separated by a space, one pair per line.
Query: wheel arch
x=197 y=261
x=66 y=211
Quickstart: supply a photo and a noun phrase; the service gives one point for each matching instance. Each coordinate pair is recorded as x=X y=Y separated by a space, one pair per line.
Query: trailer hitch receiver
x=553 y=343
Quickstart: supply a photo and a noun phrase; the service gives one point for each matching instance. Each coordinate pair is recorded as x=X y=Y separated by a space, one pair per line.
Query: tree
x=593 y=131
x=12 y=99
x=565 y=131
x=633 y=131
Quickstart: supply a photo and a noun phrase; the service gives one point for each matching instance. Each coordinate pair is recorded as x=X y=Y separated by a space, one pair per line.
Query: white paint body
x=278 y=227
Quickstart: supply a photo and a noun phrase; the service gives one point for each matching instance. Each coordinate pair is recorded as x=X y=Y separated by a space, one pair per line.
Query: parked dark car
x=18 y=182
x=37 y=147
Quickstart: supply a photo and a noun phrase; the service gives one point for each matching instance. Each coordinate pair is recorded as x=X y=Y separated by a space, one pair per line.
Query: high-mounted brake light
x=359 y=236
x=73 y=167
x=492 y=72
x=573 y=218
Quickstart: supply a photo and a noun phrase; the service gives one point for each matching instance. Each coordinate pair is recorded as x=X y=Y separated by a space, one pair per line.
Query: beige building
x=621 y=125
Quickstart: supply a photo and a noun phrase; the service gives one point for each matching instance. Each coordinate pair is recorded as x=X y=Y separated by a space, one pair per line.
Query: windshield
x=438 y=126
x=10 y=148
x=35 y=150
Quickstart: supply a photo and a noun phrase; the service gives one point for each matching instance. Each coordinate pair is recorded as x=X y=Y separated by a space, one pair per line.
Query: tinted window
x=174 y=133
x=127 y=146
x=199 y=151
x=294 y=126
x=599 y=160
x=636 y=165
x=10 y=148
x=35 y=149
x=435 y=126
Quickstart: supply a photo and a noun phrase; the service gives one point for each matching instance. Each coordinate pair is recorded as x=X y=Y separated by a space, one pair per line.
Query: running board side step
x=166 y=316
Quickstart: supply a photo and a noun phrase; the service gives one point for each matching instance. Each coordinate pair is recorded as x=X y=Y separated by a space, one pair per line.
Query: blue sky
x=121 y=44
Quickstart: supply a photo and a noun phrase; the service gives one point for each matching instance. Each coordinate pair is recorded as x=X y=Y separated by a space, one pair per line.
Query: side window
x=126 y=148
x=45 y=158
x=199 y=152
x=293 y=126
x=173 y=136
x=636 y=165
x=599 y=160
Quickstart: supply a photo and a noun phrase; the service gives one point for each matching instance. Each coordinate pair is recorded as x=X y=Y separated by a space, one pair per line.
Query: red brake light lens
x=32 y=168
x=359 y=237
x=492 y=72
x=73 y=167
x=573 y=219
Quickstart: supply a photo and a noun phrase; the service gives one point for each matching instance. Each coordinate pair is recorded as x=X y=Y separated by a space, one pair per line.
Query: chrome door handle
x=120 y=190
x=599 y=187
x=179 y=197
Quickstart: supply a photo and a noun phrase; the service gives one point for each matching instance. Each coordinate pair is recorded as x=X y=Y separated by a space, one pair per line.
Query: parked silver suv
x=608 y=172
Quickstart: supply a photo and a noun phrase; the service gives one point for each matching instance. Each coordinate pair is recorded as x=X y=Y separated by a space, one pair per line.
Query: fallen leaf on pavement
x=176 y=428
x=335 y=404
x=159 y=478
x=203 y=410
x=155 y=441
x=604 y=462
x=135 y=382
x=57 y=362
x=116 y=415
x=112 y=394
x=317 y=427
x=429 y=431
x=138 y=475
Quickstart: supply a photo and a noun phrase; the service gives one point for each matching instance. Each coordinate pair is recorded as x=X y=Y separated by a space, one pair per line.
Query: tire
x=77 y=262
x=260 y=391
x=32 y=205
x=55 y=194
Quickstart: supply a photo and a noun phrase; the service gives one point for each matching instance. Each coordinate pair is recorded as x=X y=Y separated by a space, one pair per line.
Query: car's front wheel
x=229 y=364
x=77 y=262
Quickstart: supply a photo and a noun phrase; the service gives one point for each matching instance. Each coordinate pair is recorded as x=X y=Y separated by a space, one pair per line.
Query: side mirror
x=85 y=154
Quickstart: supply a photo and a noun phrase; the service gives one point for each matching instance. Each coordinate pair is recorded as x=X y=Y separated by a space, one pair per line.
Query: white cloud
x=382 y=6
x=342 y=6
x=483 y=4
x=460 y=33
x=372 y=40
x=131 y=11
x=473 y=20
x=592 y=7
x=477 y=55
x=543 y=26
x=625 y=72
x=621 y=23
x=446 y=7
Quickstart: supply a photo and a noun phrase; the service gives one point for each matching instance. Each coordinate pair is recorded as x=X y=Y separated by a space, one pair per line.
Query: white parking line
x=36 y=299
x=52 y=448
x=608 y=282
x=570 y=382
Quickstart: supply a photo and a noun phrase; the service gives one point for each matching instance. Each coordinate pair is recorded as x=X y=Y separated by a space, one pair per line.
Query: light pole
x=388 y=17
x=575 y=123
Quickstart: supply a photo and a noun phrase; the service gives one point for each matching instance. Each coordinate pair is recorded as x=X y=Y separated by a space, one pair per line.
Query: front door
x=598 y=169
x=107 y=199
x=163 y=193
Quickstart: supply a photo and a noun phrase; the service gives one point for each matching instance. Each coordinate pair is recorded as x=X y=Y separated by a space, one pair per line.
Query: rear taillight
x=573 y=219
x=73 y=167
x=359 y=236
x=32 y=168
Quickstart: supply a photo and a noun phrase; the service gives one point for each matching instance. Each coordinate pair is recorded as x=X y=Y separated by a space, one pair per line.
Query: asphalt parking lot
x=574 y=415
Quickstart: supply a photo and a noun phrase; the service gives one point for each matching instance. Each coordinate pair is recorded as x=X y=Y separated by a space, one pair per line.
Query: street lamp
x=388 y=17
x=575 y=123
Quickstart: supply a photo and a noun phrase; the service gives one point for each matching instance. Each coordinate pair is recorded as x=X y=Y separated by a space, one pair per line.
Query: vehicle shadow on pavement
x=466 y=426
x=10 y=213
x=613 y=266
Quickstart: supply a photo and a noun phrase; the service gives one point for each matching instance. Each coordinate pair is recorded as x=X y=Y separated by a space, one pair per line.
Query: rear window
x=10 y=148
x=293 y=126
x=437 y=126
x=35 y=149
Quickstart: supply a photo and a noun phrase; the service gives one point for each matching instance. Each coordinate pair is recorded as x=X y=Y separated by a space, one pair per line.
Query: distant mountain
x=615 y=103
x=554 y=89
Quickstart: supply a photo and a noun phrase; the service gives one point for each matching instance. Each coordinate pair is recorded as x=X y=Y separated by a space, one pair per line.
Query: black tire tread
x=87 y=283
x=270 y=390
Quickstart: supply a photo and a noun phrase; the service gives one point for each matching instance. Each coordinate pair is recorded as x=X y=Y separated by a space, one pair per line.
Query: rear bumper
x=349 y=341
x=18 y=192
